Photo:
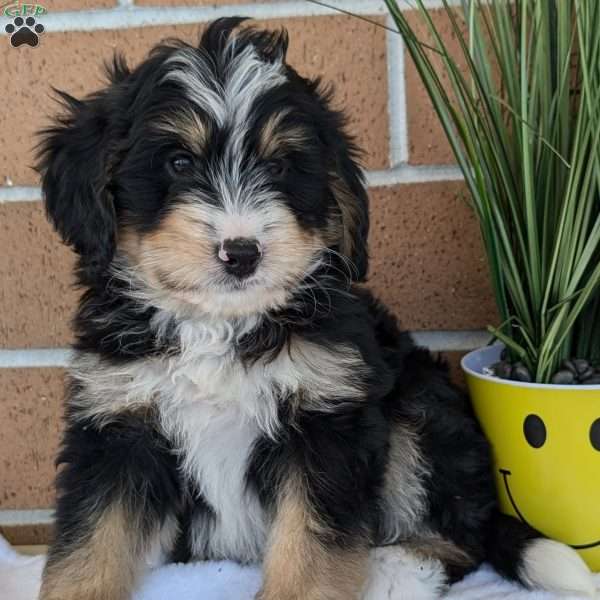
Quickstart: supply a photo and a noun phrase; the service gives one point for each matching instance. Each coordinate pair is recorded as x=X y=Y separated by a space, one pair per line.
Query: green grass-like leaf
x=520 y=105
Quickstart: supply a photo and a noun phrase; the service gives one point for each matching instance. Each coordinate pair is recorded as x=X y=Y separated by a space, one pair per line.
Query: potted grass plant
x=517 y=90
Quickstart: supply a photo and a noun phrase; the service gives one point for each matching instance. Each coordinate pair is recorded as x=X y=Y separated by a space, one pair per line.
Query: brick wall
x=427 y=260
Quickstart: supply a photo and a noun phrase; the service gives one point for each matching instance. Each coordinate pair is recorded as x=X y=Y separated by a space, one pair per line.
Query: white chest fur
x=215 y=429
x=214 y=408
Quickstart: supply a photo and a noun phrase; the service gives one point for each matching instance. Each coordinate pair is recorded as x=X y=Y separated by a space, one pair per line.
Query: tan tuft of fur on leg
x=104 y=567
x=435 y=547
x=299 y=566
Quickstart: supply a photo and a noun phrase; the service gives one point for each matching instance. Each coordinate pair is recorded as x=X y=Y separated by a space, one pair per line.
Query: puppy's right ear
x=74 y=161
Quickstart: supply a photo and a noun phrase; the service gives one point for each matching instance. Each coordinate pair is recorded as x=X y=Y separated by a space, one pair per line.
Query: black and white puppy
x=235 y=393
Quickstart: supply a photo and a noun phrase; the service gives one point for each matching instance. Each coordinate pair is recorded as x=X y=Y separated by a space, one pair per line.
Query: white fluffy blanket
x=20 y=580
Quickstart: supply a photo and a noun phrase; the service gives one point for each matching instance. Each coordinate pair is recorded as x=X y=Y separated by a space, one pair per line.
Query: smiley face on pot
x=535 y=433
x=552 y=481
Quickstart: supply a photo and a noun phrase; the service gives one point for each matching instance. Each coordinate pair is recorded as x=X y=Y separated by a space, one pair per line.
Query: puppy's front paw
x=395 y=574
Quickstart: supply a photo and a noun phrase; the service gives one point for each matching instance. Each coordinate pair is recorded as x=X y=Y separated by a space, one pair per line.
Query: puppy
x=235 y=393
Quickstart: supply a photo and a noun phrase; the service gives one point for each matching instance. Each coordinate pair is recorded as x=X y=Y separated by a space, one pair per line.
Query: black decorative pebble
x=502 y=369
x=586 y=374
x=581 y=365
x=563 y=377
x=575 y=371
x=521 y=373
x=568 y=364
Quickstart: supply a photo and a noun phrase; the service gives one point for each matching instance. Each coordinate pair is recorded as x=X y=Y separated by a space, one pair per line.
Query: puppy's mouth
x=227 y=285
x=505 y=475
x=241 y=285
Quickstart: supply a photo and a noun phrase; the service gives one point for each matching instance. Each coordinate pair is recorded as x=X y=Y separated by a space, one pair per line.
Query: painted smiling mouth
x=505 y=475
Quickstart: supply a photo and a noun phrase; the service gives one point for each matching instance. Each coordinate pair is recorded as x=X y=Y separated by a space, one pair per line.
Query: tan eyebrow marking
x=273 y=136
x=187 y=125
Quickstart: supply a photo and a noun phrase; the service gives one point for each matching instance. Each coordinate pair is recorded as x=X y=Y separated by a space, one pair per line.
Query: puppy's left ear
x=348 y=188
x=74 y=164
x=350 y=221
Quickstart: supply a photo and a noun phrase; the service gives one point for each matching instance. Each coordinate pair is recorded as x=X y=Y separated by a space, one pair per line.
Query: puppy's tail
x=521 y=553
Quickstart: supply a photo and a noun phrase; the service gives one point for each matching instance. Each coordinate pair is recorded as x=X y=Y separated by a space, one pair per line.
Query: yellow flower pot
x=546 y=446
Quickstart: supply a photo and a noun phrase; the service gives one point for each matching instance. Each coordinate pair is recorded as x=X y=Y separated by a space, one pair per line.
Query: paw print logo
x=24 y=32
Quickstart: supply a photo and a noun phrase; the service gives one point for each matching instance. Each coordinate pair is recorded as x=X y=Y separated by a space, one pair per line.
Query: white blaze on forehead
x=195 y=73
x=246 y=77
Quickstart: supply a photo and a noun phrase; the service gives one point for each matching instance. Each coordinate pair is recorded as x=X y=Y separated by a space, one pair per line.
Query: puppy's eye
x=181 y=162
x=277 y=169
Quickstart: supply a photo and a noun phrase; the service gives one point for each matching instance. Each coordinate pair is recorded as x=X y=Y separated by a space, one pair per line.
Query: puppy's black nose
x=240 y=256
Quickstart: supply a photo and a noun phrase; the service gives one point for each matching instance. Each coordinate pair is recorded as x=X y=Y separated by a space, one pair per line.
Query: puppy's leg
x=102 y=564
x=303 y=561
x=117 y=500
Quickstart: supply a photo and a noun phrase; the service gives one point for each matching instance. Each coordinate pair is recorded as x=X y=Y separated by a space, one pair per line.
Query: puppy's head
x=216 y=173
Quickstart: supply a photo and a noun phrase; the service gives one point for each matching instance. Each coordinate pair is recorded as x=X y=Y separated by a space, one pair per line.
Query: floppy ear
x=347 y=185
x=73 y=161
x=350 y=227
x=348 y=188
